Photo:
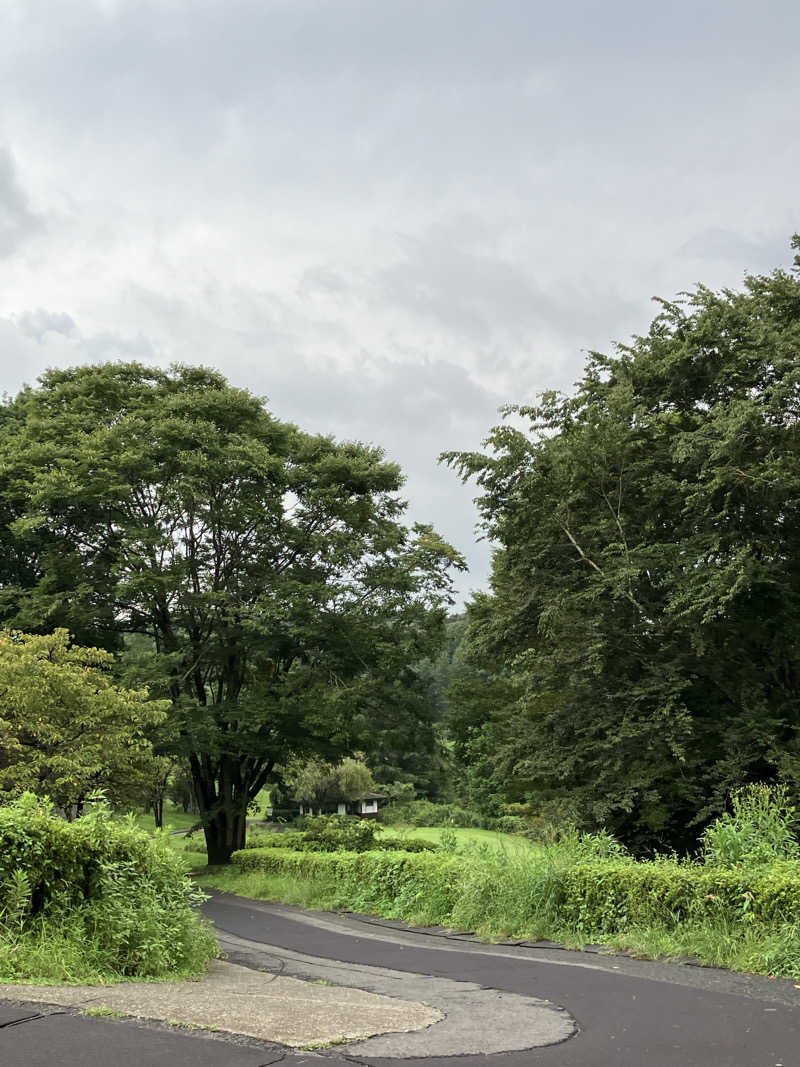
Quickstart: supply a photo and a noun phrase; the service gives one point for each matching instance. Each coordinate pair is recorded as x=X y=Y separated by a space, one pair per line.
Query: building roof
x=372 y=796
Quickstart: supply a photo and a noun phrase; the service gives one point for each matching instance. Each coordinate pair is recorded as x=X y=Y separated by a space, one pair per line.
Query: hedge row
x=298 y=841
x=612 y=897
x=389 y=882
x=589 y=898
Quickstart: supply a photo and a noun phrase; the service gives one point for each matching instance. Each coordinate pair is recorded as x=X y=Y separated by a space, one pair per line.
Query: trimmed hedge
x=302 y=841
x=611 y=897
x=393 y=883
x=588 y=898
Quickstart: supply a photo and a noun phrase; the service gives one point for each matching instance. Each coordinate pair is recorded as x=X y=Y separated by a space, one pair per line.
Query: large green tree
x=318 y=782
x=262 y=577
x=646 y=587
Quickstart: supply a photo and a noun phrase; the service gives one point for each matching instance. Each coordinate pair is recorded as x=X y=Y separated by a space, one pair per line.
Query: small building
x=365 y=806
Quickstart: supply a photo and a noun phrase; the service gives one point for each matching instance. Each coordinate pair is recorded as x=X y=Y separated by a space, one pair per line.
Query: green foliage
x=426 y=813
x=406 y=844
x=336 y=833
x=761 y=829
x=390 y=882
x=263 y=579
x=104 y=899
x=317 y=782
x=329 y=833
x=645 y=593
x=582 y=889
x=510 y=824
x=293 y=839
x=587 y=896
x=65 y=729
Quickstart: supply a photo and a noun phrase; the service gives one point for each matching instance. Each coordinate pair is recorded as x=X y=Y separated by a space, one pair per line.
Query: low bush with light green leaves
x=94 y=900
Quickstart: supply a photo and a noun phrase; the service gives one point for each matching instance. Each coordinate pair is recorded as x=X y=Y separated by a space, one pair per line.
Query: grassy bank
x=742 y=919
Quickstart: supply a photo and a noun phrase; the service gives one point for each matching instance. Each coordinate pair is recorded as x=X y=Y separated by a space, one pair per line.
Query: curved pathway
x=626 y=1012
x=505 y=1005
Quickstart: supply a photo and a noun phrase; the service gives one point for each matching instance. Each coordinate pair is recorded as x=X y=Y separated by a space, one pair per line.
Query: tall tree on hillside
x=269 y=569
x=646 y=591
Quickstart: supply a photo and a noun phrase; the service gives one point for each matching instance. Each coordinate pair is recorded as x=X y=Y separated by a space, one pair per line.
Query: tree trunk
x=158 y=812
x=225 y=833
x=223 y=791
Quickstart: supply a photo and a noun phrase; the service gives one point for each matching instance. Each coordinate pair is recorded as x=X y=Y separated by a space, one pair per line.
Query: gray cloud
x=39 y=322
x=388 y=217
x=17 y=220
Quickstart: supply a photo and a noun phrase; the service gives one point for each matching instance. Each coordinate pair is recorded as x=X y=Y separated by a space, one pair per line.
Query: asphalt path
x=34 y=1036
x=628 y=1013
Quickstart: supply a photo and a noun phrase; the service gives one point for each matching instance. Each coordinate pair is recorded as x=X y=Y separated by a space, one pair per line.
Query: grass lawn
x=174 y=819
x=464 y=836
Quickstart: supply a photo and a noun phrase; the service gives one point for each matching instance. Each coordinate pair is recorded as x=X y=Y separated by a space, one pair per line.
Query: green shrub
x=508 y=824
x=331 y=833
x=337 y=833
x=759 y=830
x=286 y=839
x=391 y=883
x=426 y=813
x=99 y=891
x=609 y=897
x=406 y=844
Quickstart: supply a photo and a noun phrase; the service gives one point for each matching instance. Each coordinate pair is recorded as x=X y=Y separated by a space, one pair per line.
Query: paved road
x=628 y=1013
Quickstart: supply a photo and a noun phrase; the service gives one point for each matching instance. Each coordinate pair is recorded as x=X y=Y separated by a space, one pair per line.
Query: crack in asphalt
x=31 y=1018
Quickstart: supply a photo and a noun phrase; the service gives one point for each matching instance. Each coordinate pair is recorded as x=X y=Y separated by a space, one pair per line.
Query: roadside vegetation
x=93 y=900
x=735 y=904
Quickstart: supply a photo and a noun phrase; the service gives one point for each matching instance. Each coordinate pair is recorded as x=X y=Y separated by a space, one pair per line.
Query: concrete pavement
x=270 y=1007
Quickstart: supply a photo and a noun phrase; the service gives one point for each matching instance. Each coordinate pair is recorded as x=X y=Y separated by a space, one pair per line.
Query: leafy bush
x=393 y=883
x=336 y=833
x=759 y=830
x=406 y=844
x=98 y=892
x=330 y=833
x=609 y=897
x=287 y=839
x=426 y=813
x=508 y=824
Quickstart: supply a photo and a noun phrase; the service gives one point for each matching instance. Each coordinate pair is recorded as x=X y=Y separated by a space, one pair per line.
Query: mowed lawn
x=464 y=836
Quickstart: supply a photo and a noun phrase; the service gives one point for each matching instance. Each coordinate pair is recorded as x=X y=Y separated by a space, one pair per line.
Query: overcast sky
x=387 y=216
